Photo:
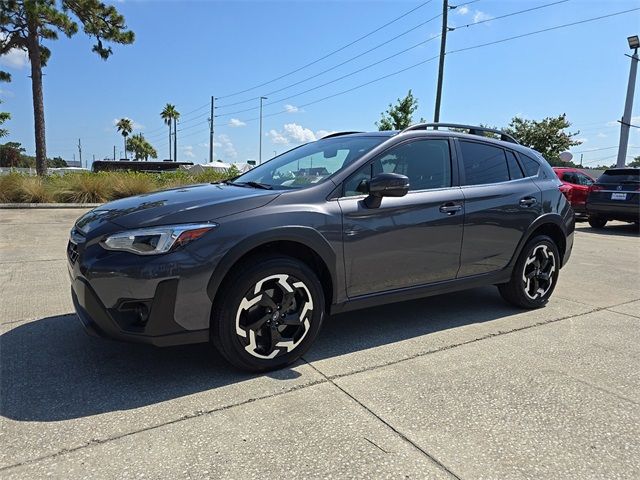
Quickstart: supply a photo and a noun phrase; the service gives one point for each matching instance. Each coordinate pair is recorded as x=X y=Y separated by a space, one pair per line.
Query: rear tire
x=597 y=222
x=267 y=313
x=535 y=274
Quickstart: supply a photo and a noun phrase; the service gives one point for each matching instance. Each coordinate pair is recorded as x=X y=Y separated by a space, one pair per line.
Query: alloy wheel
x=538 y=271
x=274 y=316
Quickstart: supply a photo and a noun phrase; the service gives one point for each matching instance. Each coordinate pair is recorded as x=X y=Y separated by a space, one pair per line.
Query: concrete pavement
x=457 y=386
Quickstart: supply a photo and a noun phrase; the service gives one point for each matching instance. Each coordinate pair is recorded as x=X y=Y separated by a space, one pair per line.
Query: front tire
x=597 y=222
x=268 y=313
x=535 y=274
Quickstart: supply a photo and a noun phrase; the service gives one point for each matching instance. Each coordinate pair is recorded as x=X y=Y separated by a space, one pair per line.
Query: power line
x=366 y=67
x=603 y=148
x=380 y=45
x=328 y=54
x=344 y=91
x=153 y=132
x=543 y=30
x=597 y=149
x=510 y=14
x=363 y=68
x=433 y=58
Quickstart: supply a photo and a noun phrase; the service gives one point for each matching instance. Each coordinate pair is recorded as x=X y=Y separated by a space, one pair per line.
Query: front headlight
x=155 y=240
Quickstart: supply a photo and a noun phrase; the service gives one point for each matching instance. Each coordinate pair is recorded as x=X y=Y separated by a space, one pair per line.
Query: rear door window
x=483 y=163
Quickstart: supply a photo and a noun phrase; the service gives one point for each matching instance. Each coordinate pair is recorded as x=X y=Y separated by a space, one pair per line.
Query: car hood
x=192 y=204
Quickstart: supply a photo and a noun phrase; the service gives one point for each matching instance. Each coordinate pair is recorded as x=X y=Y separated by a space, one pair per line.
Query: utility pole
x=114 y=153
x=211 y=129
x=625 y=123
x=175 y=139
x=260 y=148
x=581 y=155
x=80 y=152
x=443 y=47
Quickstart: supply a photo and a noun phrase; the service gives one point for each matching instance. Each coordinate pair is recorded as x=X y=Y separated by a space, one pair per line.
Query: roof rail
x=337 y=134
x=472 y=130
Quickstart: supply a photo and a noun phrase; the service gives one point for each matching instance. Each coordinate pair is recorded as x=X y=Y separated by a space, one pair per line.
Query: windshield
x=311 y=163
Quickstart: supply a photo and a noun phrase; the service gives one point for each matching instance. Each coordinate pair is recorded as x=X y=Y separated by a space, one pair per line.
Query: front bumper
x=157 y=328
x=160 y=300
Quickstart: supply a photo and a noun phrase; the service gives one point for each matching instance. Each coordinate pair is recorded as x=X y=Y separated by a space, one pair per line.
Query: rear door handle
x=528 y=201
x=450 y=208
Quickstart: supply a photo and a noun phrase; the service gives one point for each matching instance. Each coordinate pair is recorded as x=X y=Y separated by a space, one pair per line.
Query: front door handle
x=450 y=208
x=528 y=201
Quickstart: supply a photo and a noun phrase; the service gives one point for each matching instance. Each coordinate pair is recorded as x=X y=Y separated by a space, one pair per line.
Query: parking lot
x=456 y=386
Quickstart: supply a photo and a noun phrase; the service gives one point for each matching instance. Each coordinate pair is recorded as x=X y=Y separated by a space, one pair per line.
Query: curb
x=48 y=205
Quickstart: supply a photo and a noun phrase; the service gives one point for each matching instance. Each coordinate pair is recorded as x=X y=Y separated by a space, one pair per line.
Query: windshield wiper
x=264 y=186
x=251 y=184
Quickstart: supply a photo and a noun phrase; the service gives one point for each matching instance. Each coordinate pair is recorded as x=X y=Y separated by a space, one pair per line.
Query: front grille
x=72 y=252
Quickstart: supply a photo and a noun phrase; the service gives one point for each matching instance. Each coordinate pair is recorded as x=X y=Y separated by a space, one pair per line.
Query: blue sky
x=187 y=51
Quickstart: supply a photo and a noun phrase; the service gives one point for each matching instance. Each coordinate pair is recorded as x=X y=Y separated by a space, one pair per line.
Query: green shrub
x=127 y=184
x=34 y=190
x=89 y=187
x=84 y=187
x=10 y=187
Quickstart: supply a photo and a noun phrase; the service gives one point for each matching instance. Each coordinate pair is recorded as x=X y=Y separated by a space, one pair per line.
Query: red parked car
x=575 y=186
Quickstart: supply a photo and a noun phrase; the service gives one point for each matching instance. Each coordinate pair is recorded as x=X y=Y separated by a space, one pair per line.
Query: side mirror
x=385 y=185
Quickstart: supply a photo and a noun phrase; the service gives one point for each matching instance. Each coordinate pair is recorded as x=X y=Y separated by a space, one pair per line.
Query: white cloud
x=601 y=135
x=234 y=122
x=277 y=137
x=224 y=143
x=204 y=145
x=291 y=108
x=15 y=58
x=298 y=133
x=463 y=10
x=294 y=133
x=582 y=139
x=187 y=151
x=481 y=16
x=136 y=125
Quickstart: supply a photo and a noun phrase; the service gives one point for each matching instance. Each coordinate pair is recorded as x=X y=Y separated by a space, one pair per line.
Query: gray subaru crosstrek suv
x=350 y=221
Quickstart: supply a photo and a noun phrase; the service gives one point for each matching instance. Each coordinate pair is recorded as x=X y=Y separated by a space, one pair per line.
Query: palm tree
x=167 y=116
x=125 y=127
x=140 y=147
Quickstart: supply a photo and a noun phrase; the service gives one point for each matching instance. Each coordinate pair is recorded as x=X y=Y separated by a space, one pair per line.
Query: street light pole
x=625 y=123
x=260 y=145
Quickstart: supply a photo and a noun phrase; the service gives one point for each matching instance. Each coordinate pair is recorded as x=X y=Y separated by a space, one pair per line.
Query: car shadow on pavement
x=51 y=370
x=613 y=230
